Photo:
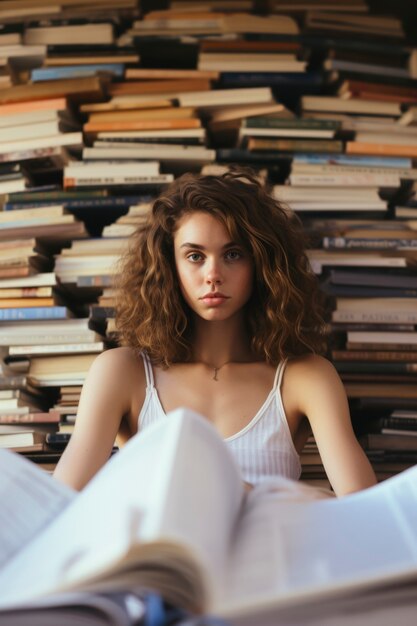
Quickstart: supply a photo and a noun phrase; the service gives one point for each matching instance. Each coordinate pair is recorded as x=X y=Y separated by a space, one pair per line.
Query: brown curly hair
x=284 y=313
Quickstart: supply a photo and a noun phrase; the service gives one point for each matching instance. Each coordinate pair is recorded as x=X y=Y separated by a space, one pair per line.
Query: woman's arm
x=105 y=398
x=322 y=398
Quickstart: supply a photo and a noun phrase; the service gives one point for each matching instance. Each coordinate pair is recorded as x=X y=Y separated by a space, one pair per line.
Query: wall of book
x=103 y=103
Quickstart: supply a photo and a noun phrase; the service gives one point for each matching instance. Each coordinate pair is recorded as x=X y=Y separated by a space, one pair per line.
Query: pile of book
x=102 y=105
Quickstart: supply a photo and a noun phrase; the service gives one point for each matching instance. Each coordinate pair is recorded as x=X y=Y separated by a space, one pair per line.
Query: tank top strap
x=279 y=374
x=148 y=369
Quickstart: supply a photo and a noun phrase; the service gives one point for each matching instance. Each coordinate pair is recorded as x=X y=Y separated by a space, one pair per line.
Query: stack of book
x=102 y=105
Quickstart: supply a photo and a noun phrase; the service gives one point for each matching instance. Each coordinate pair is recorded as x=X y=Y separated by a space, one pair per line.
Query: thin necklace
x=215 y=369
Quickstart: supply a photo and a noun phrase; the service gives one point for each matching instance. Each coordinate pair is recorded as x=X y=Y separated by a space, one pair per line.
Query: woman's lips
x=214 y=300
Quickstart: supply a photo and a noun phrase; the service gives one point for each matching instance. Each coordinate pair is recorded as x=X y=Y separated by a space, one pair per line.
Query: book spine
x=359 y=147
x=161 y=124
x=82 y=203
x=353 y=243
x=400 y=423
x=373 y=355
x=30 y=418
x=162 y=179
x=34 y=313
x=70 y=348
x=384 y=368
x=47 y=338
x=372 y=317
x=95 y=281
x=262 y=121
x=346 y=159
x=300 y=80
x=378 y=345
x=76 y=71
x=296 y=145
x=344 y=180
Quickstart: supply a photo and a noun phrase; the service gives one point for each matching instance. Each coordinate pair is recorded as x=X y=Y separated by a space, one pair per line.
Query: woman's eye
x=233 y=255
x=194 y=257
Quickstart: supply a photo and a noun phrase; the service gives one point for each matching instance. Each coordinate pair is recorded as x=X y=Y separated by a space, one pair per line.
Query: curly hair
x=284 y=312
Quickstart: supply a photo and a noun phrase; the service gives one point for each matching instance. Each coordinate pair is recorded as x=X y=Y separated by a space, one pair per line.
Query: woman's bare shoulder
x=309 y=363
x=121 y=362
x=123 y=355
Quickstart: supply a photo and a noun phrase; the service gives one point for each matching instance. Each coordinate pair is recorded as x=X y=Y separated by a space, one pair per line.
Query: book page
x=291 y=547
x=30 y=500
x=175 y=481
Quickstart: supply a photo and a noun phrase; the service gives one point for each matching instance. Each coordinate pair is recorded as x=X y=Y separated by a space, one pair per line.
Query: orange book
x=15 y=272
x=98 y=127
x=140 y=73
x=385 y=149
x=85 y=87
x=49 y=104
x=131 y=103
x=50 y=417
x=360 y=86
x=158 y=86
x=9 y=303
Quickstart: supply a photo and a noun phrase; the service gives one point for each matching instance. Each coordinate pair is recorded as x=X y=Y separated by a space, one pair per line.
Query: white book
x=201 y=541
x=391 y=337
x=12 y=186
x=26 y=118
x=58 y=326
x=164 y=153
x=353 y=105
x=177 y=133
x=343 y=180
x=56 y=349
x=290 y=193
x=219 y=97
x=46 y=279
x=86 y=168
x=339 y=205
x=36 y=130
x=323 y=258
x=62 y=139
x=131 y=179
x=57 y=210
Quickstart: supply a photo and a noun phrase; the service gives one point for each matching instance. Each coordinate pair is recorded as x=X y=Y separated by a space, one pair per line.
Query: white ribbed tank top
x=263 y=448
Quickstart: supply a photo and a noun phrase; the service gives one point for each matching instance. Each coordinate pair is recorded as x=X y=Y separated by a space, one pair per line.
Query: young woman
x=218 y=311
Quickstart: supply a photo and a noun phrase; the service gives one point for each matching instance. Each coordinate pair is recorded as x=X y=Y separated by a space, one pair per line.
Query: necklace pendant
x=216 y=369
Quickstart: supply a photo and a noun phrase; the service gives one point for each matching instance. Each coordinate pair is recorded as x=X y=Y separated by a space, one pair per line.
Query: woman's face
x=215 y=274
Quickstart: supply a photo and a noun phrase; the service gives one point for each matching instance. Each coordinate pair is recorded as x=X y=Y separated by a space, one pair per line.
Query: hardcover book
x=282 y=553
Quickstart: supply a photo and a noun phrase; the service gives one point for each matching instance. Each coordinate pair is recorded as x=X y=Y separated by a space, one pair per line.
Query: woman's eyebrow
x=200 y=247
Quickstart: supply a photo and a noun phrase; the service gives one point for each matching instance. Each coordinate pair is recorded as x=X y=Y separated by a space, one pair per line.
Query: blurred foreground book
x=282 y=553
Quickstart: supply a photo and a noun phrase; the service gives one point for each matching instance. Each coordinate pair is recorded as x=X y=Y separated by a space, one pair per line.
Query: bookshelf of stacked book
x=101 y=106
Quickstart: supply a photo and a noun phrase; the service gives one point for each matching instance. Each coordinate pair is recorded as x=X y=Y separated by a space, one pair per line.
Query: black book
x=388 y=279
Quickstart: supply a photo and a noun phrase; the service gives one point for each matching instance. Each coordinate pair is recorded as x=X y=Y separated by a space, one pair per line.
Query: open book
x=169 y=513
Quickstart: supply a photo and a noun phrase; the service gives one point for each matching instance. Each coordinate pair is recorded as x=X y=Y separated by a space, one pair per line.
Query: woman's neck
x=217 y=343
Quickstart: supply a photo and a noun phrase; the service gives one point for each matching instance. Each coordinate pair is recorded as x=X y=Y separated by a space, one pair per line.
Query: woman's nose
x=213 y=275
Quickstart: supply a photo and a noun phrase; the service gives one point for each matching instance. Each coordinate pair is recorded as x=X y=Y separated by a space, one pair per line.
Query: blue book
x=83 y=203
x=346 y=159
x=76 y=71
x=35 y=313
